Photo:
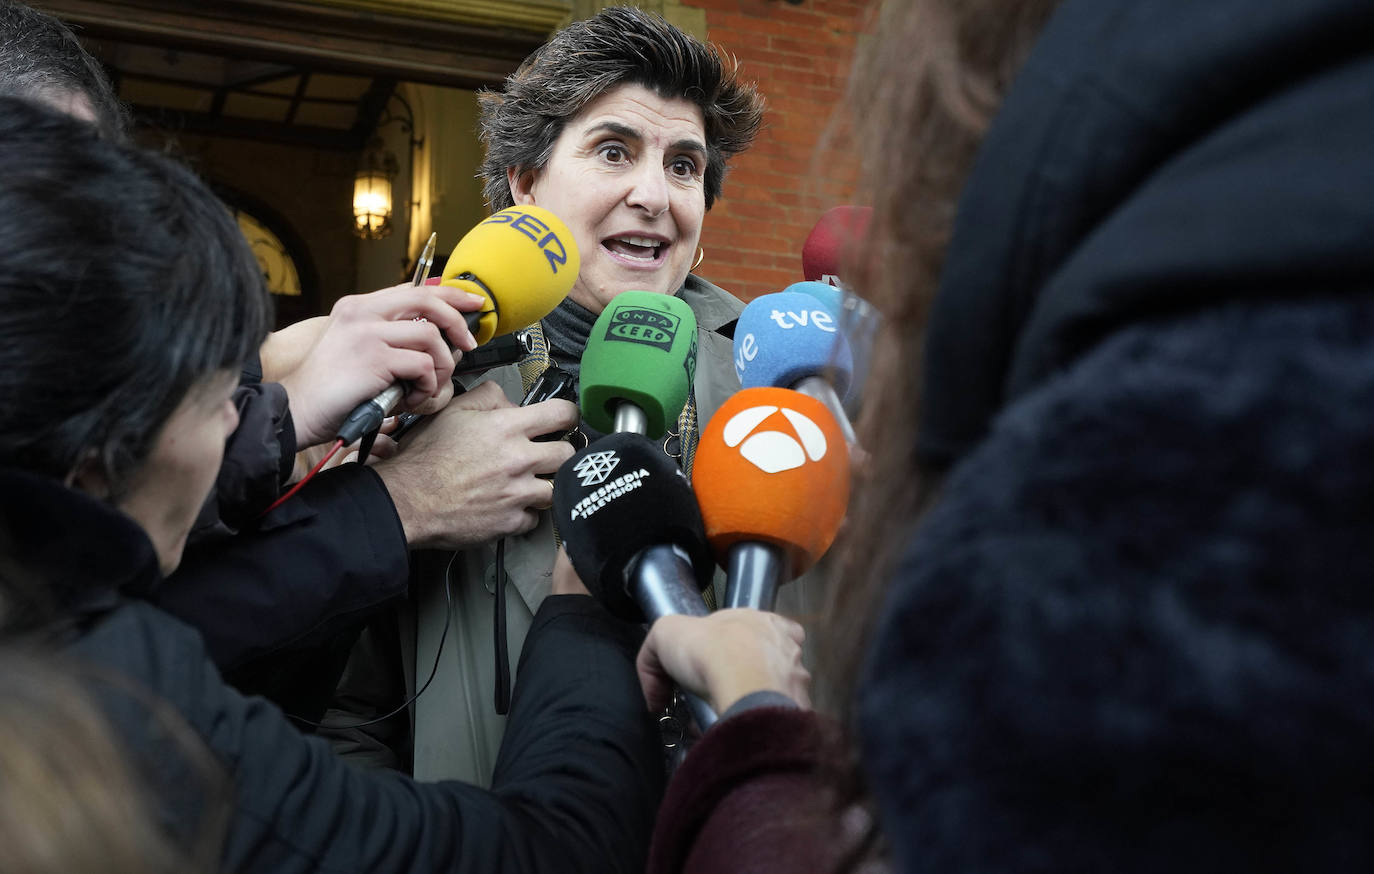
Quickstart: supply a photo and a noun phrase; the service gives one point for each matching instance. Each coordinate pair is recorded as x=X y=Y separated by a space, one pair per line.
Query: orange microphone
x=772 y=478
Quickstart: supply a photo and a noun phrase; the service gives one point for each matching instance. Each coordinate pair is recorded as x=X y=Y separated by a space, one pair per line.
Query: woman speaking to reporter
x=623 y=126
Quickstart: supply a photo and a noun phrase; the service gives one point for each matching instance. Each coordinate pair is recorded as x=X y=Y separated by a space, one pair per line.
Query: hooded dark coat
x=1136 y=633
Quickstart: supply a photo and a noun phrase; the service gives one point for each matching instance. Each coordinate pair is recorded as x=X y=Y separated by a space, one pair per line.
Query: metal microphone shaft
x=630 y=419
x=368 y=415
x=818 y=388
x=755 y=571
x=662 y=582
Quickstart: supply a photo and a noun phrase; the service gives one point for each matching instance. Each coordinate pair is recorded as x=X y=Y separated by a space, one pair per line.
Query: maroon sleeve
x=750 y=797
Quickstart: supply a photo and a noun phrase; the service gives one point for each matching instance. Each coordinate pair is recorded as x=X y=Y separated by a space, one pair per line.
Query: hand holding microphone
x=723 y=657
x=772 y=481
x=369 y=341
x=632 y=530
x=520 y=262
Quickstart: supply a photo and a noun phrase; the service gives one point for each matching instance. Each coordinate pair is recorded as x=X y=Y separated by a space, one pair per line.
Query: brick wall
x=800 y=56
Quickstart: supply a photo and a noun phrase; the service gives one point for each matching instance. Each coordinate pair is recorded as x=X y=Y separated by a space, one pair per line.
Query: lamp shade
x=372 y=202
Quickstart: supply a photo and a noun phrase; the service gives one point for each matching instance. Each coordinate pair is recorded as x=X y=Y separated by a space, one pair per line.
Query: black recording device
x=506 y=349
x=554 y=382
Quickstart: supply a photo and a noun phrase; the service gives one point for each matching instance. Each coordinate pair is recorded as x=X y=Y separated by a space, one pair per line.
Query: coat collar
x=716 y=309
x=85 y=553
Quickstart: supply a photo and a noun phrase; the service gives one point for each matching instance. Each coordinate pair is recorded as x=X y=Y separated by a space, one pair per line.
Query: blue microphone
x=830 y=296
x=791 y=340
x=859 y=321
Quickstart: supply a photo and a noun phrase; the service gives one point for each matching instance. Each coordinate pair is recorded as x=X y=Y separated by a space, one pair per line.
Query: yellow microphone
x=522 y=260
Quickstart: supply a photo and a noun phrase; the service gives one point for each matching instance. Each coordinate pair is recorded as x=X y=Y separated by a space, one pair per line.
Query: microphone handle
x=367 y=416
x=630 y=419
x=818 y=388
x=754 y=571
x=663 y=584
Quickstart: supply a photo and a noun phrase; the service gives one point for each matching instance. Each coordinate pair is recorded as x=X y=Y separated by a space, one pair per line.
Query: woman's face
x=166 y=493
x=627 y=177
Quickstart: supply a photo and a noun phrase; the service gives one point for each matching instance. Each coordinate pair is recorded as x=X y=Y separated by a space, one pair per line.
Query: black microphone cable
x=443 y=636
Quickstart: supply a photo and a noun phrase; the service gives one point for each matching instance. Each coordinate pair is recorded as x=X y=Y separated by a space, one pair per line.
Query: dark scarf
x=567 y=329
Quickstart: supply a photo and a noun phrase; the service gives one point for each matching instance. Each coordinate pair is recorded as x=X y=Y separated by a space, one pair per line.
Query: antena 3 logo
x=773 y=451
x=631 y=324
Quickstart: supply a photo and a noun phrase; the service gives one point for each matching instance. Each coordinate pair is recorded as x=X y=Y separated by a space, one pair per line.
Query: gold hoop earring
x=701 y=256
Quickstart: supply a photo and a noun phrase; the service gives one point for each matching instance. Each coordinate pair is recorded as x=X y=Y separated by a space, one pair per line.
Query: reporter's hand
x=723 y=657
x=382 y=447
x=283 y=351
x=470 y=473
x=371 y=341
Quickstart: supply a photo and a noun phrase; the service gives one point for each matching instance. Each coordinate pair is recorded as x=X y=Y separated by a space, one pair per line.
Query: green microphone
x=639 y=364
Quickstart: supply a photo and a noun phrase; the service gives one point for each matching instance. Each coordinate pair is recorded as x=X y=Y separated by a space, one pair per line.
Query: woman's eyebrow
x=689 y=145
x=624 y=131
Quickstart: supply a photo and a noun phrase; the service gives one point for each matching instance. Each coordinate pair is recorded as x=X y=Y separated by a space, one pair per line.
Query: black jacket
x=316 y=566
x=575 y=789
x=258 y=458
x=280 y=597
x=1136 y=633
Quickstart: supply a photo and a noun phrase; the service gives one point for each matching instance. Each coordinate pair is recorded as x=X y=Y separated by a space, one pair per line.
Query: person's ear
x=89 y=476
x=521 y=182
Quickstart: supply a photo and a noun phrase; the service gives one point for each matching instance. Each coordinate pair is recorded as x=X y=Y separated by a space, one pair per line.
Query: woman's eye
x=614 y=154
x=684 y=167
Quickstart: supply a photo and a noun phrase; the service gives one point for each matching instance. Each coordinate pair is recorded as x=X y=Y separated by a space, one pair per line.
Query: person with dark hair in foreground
x=117 y=361
x=280 y=597
x=1134 y=629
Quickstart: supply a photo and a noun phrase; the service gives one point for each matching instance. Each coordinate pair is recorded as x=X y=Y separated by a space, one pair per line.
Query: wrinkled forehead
x=637 y=111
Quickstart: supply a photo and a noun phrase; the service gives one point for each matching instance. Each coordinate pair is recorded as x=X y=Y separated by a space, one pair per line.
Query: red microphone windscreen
x=828 y=243
x=772 y=467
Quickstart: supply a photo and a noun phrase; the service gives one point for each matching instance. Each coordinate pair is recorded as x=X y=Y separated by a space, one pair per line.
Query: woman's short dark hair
x=123 y=283
x=40 y=58
x=621 y=45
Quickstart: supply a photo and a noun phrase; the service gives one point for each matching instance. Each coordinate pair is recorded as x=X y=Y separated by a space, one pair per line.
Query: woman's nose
x=648 y=189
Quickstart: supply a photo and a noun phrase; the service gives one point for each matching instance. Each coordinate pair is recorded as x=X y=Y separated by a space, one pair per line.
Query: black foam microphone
x=631 y=525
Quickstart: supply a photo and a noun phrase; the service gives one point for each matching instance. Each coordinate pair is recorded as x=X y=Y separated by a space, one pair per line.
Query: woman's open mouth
x=635 y=250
